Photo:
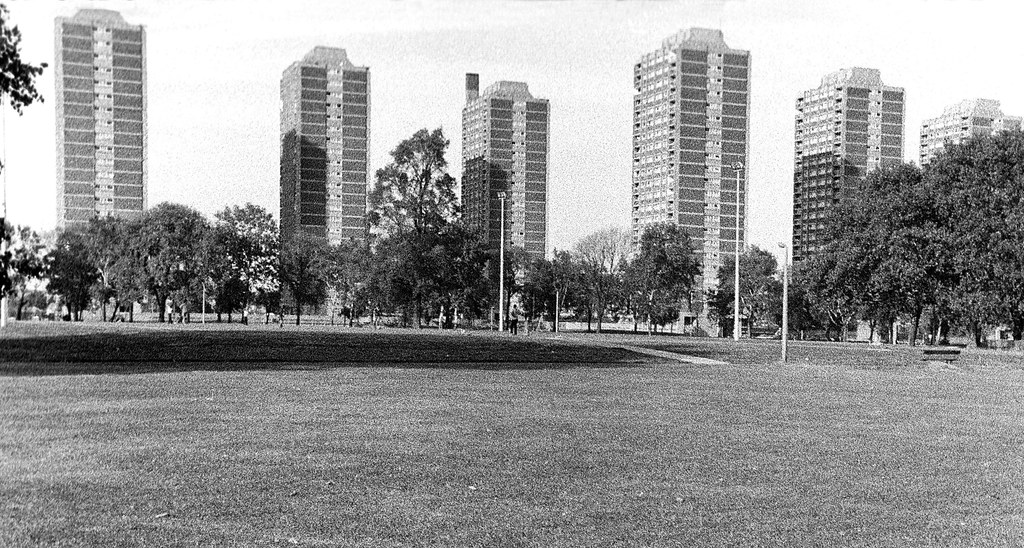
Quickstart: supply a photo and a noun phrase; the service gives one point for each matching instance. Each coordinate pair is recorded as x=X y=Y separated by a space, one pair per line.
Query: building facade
x=325 y=143
x=690 y=149
x=849 y=125
x=100 y=75
x=963 y=120
x=505 y=149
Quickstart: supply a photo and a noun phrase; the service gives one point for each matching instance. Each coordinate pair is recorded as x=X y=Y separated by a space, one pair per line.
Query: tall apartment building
x=505 y=149
x=325 y=142
x=690 y=127
x=100 y=75
x=849 y=125
x=958 y=122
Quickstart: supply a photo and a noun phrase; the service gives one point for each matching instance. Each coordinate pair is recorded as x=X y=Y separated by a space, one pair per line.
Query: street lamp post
x=785 y=300
x=738 y=168
x=501 y=268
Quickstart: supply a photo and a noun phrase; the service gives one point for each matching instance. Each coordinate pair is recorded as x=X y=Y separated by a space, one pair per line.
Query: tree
x=516 y=262
x=602 y=256
x=413 y=202
x=304 y=270
x=662 y=273
x=886 y=256
x=27 y=262
x=127 y=275
x=17 y=86
x=538 y=289
x=462 y=284
x=172 y=237
x=979 y=188
x=103 y=238
x=567 y=281
x=242 y=260
x=71 y=273
x=760 y=289
x=346 y=275
x=17 y=78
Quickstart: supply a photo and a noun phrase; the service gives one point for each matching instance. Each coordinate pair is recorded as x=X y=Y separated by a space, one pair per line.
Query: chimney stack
x=472 y=86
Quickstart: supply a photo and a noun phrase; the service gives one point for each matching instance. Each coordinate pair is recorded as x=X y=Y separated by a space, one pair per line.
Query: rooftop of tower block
x=857 y=76
x=975 y=107
x=99 y=15
x=324 y=55
x=699 y=39
x=508 y=90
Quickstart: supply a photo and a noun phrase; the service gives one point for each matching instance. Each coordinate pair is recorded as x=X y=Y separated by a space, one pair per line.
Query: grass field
x=252 y=436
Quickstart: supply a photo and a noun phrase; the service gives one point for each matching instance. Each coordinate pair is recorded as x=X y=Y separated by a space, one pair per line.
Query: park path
x=663 y=354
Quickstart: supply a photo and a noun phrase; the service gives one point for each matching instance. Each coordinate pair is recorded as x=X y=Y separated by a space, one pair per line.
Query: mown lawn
x=499 y=453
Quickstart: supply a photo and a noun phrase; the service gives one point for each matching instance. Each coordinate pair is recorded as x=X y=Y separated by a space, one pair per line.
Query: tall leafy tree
x=979 y=187
x=304 y=272
x=760 y=290
x=18 y=89
x=462 y=284
x=127 y=275
x=104 y=237
x=346 y=277
x=567 y=281
x=71 y=273
x=538 y=293
x=887 y=252
x=662 y=273
x=244 y=259
x=27 y=263
x=173 y=237
x=602 y=256
x=516 y=262
x=17 y=78
x=412 y=203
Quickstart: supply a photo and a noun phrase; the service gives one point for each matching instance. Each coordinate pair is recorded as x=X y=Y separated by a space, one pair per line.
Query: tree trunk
x=298 y=313
x=21 y=305
x=161 y=302
x=917 y=323
x=976 y=328
x=1017 y=328
x=103 y=311
x=229 y=316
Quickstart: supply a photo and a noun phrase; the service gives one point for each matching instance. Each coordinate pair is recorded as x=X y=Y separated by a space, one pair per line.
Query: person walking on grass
x=513 y=321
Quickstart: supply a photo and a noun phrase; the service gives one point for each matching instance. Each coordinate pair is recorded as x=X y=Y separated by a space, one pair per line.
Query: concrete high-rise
x=325 y=142
x=505 y=149
x=958 y=122
x=848 y=126
x=690 y=127
x=100 y=75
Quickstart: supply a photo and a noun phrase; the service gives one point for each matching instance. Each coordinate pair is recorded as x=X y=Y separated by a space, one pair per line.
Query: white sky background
x=214 y=73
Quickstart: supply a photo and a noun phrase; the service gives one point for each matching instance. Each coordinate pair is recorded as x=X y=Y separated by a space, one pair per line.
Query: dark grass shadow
x=239 y=350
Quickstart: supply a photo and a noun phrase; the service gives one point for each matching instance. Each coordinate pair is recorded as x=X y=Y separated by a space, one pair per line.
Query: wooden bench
x=941 y=354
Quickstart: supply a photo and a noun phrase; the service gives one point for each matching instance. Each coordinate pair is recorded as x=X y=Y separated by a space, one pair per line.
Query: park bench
x=948 y=354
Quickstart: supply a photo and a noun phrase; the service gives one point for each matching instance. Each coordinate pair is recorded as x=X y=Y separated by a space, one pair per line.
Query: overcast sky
x=214 y=71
